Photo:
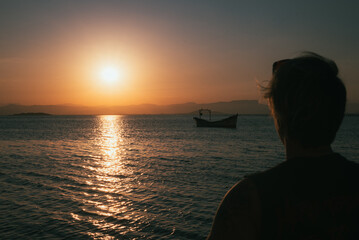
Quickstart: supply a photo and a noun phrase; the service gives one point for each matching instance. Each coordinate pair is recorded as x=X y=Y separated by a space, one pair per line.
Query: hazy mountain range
x=241 y=107
x=238 y=106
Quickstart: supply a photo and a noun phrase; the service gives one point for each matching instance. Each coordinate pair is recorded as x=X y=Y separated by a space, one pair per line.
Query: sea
x=130 y=177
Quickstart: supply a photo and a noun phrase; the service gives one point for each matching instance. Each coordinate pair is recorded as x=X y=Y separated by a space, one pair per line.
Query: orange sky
x=66 y=71
x=51 y=52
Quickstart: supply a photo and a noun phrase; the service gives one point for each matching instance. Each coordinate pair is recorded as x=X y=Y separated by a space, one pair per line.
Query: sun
x=110 y=74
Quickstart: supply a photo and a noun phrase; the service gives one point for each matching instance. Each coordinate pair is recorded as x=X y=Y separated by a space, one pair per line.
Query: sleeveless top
x=309 y=198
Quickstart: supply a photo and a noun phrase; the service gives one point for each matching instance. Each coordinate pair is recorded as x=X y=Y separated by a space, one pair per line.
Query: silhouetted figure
x=314 y=194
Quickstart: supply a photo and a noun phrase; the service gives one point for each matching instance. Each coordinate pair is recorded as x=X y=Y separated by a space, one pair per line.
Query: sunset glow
x=106 y=53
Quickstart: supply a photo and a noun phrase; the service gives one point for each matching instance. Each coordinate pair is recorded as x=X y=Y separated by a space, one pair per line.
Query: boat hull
x=230 y=122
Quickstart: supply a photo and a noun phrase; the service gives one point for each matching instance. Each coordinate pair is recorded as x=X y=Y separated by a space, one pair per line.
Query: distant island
x=230 y=107
x=32 y=114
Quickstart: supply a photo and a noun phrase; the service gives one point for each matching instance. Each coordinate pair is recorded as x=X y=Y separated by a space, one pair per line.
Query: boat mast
x=207 y=110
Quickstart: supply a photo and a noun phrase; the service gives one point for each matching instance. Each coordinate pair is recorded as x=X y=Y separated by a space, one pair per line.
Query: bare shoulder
x=238 y=215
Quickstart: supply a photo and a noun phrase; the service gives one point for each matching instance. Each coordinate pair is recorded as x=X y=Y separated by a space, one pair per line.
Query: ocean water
x=129 y=177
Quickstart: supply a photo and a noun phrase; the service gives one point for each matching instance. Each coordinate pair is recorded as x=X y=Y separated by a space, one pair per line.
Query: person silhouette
x=314 y=194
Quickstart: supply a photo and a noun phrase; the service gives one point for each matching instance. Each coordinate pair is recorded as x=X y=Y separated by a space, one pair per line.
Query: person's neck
x=294 y=150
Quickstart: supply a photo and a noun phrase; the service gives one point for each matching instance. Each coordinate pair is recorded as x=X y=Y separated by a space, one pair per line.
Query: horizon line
x=79 y=105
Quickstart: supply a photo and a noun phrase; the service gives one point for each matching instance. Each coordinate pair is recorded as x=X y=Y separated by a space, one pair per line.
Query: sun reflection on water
x=109 y=142
x=110 y=165
x=106 y=205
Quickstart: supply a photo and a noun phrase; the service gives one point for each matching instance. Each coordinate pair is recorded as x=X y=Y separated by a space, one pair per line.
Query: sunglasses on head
x=277 y=64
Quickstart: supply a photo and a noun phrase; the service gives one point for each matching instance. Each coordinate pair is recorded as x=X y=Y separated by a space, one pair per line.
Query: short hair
x=307 y=99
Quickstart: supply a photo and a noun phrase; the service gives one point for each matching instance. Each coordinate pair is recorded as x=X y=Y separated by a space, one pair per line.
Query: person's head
x=307 y=99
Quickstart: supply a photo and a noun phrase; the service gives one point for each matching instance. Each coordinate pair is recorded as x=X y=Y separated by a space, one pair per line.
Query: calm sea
x=129 y=177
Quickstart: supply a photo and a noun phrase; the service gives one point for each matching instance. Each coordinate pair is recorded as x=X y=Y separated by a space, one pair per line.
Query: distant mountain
x=241 y=107
x=32 y=114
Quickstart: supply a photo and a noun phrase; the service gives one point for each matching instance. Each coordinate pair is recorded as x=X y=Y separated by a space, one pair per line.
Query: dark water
x=129 y=177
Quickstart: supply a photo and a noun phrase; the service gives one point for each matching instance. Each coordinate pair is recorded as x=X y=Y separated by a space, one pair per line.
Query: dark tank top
x=310 y=198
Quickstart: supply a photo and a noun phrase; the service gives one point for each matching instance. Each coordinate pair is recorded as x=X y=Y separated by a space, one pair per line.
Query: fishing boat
x=229 y=122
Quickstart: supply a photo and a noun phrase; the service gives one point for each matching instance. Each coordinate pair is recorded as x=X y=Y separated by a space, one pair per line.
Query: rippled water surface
x=129 y=177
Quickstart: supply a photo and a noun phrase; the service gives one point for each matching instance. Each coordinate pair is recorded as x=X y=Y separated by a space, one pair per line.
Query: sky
x=108 y=52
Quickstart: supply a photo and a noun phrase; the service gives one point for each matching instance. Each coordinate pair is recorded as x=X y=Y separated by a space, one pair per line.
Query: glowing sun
x=110 y=74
